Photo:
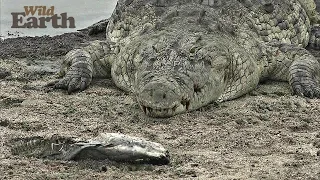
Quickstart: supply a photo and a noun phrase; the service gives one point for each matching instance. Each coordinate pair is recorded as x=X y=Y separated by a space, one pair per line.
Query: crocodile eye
x=155 y=49
x=196 y=88
x=152 y=60
x=268 y=7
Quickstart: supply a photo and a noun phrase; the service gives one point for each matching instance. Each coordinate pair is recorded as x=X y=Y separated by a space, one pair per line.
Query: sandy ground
x=267 y=134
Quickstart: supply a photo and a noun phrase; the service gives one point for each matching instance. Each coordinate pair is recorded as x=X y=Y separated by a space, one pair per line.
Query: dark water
x=85 y=13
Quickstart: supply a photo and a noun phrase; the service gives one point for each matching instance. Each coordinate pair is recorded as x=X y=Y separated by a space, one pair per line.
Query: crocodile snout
x=162 y=99
x=159 y=95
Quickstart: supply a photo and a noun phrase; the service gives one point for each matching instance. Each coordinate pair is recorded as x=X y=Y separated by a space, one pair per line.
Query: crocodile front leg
x=81 y=65
x=242 y=76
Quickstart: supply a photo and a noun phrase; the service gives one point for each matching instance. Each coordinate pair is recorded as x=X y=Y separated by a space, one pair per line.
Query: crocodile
x=178 y=56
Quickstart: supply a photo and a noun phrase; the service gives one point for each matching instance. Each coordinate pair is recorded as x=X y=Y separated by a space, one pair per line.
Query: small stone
x=4 y=123
x=104 y=169
x=316 y=144
x=4 y=73
x=268 y=7
x=240 y=122
x=194 y=165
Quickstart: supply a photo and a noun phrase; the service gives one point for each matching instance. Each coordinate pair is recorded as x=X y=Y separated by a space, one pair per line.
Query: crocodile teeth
x=144 y=109
x=165 y=112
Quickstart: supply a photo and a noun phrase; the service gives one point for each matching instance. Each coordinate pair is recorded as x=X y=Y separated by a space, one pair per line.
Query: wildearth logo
x=27 y=18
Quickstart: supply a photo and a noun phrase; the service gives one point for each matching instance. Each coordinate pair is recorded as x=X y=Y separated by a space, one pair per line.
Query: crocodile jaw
x=163 y=96
x=167 y=98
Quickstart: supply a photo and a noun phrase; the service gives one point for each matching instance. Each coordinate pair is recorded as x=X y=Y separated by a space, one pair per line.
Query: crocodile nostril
x=196 y=88
x=268 y=7
x=160 y=94
x=164 y=96
x=185 y=103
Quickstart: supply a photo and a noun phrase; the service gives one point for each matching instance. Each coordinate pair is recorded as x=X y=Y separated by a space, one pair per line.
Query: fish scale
x=112 y=146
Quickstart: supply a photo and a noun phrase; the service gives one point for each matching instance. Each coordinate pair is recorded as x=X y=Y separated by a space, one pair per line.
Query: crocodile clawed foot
x=310 y=90
x=314 y=42
x=72 y=84
x=304 y=76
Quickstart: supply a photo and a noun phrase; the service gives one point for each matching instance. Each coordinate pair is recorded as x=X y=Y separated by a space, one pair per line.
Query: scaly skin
x=112 y=146
x=39 y=147
x=311 y=8
x=177 y=56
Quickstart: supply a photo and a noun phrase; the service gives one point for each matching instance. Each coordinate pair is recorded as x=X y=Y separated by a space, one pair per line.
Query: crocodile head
x=179 y=59
x=178 y=74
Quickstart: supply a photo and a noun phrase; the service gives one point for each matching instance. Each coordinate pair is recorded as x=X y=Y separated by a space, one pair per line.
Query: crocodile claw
x=305 y=87
x=314 y=41
x=72 y=83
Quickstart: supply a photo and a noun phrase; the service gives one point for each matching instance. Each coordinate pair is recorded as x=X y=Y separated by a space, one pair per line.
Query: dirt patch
x=267 y=134
x=45 y=46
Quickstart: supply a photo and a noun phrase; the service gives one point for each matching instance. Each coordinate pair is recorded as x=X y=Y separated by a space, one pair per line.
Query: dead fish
x=112 y=146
